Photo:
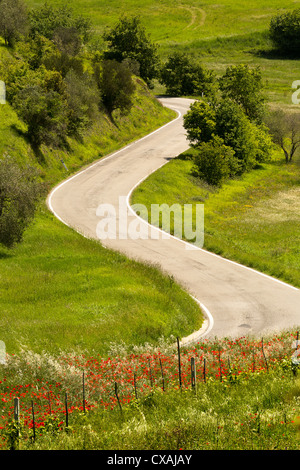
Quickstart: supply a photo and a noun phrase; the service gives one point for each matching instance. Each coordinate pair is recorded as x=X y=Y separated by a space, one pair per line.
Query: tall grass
x=247 y=400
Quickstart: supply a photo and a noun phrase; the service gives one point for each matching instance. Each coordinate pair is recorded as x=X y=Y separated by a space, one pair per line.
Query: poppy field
x=55 y=393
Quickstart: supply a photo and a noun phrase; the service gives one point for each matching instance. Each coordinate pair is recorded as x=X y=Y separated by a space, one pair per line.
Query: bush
x=250 y=141
x=82 y=98
x=200 y=122
x=183 y=77
x=13 y=20
x=116 y=86
x=60 y=23
x=45 y=114
x=285 y=32
x=214 y=162
x=19 y=194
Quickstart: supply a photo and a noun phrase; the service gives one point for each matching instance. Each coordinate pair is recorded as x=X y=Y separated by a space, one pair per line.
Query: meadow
x=244 y=396
x=218 y=34
x=61 y=292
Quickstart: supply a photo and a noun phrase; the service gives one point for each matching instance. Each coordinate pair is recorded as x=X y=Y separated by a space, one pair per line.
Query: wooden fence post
x=135 y=389
x=83 y=392
x=220 y=366
x=17 y=410
x=117 y=395
x=193 y=373
x=16 y=436
x=67 y=411
x=262 y=348
x=179 y=364
x=162 y=375
x=150 y=373
x=33 y=420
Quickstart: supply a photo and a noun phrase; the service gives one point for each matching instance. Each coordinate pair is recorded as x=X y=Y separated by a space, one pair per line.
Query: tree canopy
x=19 y=195
x=13 y=20
x=183 y=76
x=225 y=125
x=285 y=32
x=244 y=85
x=128 y=40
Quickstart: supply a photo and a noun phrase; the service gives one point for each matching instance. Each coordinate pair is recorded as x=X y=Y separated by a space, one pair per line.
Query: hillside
x=217 y=33
x=101 y=139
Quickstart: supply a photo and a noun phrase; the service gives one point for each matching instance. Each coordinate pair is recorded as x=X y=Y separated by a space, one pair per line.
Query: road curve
x=236 y=299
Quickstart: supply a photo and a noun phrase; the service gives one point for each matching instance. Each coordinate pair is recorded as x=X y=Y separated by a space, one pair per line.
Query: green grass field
x=217 y=33
x=61 y=292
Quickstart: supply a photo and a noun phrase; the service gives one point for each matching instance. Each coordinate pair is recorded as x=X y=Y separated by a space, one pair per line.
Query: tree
x=200 y=122
x=20 y=191
x=182 y=76
x=285 y=32
x=63 y=63
x=45 y=114
x=49 y=21
x=67 y=40
x=82 y=99
x=244 y=85
x=128 y=40
x=214 y=162
x=13 y=20
x=227 y=120
x=285 y=131
x=116 y=86
x=249 y=140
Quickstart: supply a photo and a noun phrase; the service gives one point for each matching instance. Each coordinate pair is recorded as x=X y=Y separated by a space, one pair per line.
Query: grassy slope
x=253 y=404
x=218 y=33
x=61 y=292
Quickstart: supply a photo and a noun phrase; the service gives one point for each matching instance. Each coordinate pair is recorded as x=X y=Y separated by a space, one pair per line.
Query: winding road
x=236 y=300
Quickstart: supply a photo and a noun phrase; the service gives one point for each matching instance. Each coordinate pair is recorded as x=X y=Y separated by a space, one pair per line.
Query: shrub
x=183 y=77
x=13 y=20
x=285 y=32
x=244 y=86
x=45 y=114
x=82 y=98
x=19 y=194
x=214 y=162
x=250 y=142
x=200 y=122
x=116 y=86
x=50 y=21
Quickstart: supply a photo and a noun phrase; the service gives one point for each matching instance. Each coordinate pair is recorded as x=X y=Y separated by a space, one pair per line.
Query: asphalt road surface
x=236 y=300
